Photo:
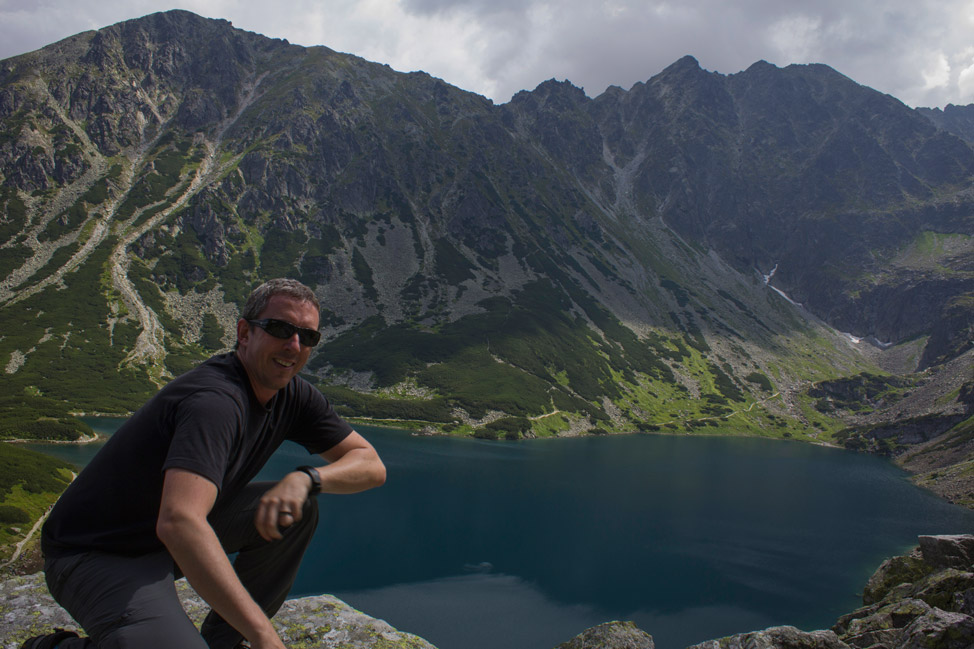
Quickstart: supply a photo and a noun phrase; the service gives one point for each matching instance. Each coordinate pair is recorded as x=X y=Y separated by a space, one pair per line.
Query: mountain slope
x=555 y=265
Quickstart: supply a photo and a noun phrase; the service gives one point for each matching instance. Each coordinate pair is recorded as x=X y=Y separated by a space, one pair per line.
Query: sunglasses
x=284 y=330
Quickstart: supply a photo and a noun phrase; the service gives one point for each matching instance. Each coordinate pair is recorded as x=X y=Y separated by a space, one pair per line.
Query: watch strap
x=315 y=479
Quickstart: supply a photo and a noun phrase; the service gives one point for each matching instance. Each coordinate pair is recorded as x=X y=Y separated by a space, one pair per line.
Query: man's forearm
x=196 y=549
x=357 y=470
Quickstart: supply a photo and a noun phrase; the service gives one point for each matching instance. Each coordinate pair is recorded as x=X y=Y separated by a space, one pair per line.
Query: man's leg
x=267 y=569
x=122 y=602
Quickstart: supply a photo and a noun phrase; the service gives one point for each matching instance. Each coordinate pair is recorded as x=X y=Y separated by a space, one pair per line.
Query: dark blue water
x=474 y=544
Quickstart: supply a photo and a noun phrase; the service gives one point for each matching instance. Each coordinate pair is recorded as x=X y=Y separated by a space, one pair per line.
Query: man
x=170 y=494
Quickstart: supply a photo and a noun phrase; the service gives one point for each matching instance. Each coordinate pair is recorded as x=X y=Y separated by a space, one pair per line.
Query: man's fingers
x=275 y=514
x=267 y=520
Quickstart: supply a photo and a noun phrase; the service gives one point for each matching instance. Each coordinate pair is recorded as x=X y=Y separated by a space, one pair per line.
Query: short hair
x=262 y=295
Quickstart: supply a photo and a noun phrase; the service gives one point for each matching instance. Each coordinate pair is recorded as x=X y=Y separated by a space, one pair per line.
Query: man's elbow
x=375 y=473
x=171 y=527
x=372 y=471
x=378 y=473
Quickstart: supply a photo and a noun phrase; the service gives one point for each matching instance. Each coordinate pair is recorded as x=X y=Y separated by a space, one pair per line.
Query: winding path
x=19 y=546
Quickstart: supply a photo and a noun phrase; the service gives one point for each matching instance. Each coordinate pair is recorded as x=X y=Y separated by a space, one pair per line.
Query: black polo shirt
x=207 y=421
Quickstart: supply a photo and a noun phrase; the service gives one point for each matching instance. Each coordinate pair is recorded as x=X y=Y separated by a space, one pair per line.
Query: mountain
x=698 y=251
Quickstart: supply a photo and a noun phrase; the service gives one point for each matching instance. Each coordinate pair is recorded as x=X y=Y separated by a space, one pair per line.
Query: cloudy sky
x=920 y=51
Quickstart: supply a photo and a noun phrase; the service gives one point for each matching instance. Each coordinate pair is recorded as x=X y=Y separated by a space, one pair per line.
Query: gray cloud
x=916 y=50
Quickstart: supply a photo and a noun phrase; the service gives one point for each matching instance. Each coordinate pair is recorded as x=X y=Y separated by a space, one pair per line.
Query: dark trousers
x=130 y=602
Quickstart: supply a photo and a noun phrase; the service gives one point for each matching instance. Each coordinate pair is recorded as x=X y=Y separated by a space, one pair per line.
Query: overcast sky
x=920 y=51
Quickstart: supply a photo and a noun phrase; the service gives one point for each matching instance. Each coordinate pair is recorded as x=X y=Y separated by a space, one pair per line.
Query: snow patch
x=767 y=282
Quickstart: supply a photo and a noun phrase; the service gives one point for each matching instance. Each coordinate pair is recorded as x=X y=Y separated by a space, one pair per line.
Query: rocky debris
x=320 y=622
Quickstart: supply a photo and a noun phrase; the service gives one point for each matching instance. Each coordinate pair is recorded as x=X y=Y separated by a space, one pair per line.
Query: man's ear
x=243 y=332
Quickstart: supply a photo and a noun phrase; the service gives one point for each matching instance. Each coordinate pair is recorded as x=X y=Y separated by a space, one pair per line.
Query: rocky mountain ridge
x=697 y=251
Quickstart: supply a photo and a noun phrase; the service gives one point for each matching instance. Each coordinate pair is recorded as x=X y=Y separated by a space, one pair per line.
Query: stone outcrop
x=617 y=635
x=26 y=610
x=924 y=600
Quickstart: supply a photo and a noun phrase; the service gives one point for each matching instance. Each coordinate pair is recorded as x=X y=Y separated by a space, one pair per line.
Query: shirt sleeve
x=317 y=426
x=206 y=426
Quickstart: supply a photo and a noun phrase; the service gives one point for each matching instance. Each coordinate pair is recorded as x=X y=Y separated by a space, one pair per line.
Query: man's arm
x=353 y=466
x=187 y=499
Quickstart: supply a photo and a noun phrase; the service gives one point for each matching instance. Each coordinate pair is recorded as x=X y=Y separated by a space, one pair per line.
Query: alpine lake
x=476 y=544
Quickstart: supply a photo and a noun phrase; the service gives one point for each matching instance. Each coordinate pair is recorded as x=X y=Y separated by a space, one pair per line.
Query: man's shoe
x=49 y=641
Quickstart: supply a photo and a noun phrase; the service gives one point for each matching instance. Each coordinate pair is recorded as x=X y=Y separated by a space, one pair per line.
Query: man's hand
x=353 y=466
x=282 y=505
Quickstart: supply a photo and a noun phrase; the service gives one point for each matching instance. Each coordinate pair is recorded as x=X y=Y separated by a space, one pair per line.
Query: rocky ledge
x=924 y=600
x=26 y=610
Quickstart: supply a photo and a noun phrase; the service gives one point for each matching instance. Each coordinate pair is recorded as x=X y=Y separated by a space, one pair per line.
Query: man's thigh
x=123 y=602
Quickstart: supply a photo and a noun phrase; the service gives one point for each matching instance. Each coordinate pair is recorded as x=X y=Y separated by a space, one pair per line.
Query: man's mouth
x=284 y=363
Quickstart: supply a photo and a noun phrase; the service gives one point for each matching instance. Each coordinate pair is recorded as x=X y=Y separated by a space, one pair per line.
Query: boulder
x=892 y=573
x=614 y=635
x=948 y=551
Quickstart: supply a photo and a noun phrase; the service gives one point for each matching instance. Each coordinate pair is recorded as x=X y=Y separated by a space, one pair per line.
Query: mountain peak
x=685 y=62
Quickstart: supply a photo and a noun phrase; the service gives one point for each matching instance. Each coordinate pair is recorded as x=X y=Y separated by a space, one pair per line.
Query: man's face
x=272 y=362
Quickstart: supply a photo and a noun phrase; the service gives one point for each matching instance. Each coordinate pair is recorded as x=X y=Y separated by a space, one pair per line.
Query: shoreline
x=85 y=439
x=416 y=428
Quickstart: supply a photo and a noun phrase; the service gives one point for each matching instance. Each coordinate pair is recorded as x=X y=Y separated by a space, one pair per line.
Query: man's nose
x=294 y=343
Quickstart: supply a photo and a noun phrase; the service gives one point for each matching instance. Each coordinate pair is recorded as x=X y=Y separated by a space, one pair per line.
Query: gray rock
x=321 y=622
x=948 y=551
x=883 y=623
x=892 y=573
x=940 y=589
x=611 y=635
x=939 y=630
x=777 y=637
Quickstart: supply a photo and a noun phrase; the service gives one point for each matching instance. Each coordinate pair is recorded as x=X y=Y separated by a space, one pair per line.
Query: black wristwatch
x=315 y=479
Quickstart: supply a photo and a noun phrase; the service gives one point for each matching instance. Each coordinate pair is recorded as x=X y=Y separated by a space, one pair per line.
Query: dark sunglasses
x=284 y=330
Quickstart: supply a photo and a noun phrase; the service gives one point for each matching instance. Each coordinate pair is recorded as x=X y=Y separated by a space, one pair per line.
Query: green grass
x=527 y=358
x=31 y=416
x=374 y=406
x=15 y=214
x=76 y=361
x=30 y=471
x=30 y=483
x=478 y=383
x=13 y=258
